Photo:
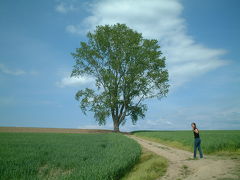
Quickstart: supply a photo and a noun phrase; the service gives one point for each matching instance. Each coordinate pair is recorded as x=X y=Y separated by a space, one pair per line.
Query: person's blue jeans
x=197 y=145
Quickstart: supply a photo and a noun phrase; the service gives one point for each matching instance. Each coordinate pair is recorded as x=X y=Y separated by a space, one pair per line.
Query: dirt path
x=182 y=166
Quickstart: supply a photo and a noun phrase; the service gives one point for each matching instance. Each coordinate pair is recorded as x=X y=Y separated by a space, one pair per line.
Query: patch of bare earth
x=45 y=172
x=182 y=166
x=51 y=130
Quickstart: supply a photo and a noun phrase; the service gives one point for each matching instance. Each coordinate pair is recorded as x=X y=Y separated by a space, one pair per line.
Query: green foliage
x=127 y=69
x=66 y=156
x=212 y=140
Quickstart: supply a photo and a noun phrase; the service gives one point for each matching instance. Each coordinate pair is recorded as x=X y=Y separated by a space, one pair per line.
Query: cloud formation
x=162 y=20
x=75 y=81
x=16 y=72
x=74 y=29
x=64 y=7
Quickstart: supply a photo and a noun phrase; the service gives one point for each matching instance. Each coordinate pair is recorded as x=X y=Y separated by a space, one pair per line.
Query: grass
x=36 y=156
x=150 y=167
x=213 y=141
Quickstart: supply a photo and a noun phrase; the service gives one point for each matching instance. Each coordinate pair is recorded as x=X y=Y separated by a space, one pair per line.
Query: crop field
x=66 y=156
x=212 y=140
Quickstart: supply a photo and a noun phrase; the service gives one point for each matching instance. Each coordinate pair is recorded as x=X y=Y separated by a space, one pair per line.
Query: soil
x=182 y=166
x=51 y=130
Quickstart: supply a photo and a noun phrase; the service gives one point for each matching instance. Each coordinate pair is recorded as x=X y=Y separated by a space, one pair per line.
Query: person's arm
x=196 y=130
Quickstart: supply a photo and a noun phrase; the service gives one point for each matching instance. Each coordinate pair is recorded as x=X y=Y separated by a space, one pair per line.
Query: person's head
x=194 y=125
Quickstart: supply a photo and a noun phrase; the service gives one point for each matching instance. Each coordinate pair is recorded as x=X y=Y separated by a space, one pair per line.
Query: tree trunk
x=116 y=125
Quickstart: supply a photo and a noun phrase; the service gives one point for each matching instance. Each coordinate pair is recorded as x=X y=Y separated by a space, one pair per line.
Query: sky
x=200 y=40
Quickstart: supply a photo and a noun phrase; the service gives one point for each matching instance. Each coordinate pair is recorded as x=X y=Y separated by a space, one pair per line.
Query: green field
x=212 y=140
x=66 y=156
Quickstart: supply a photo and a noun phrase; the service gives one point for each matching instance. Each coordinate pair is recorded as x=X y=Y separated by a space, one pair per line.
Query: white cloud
x=75 y=81
x=169 y=123
x=15 y=72
x=162 y=20
x=74 y=30
x=64 y=7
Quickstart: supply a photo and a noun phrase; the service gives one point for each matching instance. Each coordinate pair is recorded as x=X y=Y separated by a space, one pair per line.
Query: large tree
x=127 y=69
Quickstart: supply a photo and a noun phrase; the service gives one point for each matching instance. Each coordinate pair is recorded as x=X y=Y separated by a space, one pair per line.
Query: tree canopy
x=127 y=69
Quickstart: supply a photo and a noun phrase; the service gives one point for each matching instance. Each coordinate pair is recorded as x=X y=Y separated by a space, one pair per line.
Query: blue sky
x=199 y=38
